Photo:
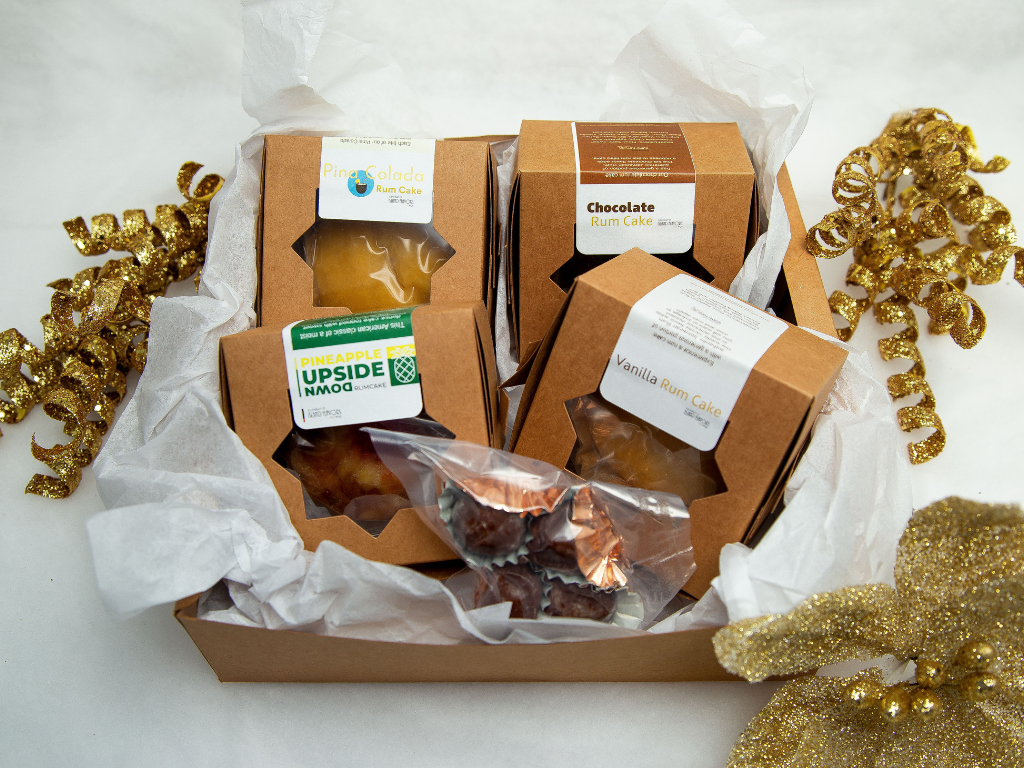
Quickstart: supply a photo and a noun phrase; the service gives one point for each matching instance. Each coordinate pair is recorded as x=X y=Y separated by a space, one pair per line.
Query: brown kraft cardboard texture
x=454 y=353
x=543 y=215
x=463 y=176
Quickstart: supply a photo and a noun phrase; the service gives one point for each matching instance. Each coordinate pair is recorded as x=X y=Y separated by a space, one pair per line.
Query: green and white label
x=353 y=369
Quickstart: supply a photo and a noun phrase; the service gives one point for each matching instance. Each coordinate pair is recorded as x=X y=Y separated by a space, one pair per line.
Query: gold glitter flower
x=957 y=610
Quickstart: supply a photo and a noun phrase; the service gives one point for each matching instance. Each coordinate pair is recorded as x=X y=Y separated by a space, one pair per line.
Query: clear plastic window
x=341 y=473
x=614 y=446
x=369 y=266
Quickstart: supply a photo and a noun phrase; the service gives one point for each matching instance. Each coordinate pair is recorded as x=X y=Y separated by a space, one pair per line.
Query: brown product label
x=635 y=187
x=633 y=153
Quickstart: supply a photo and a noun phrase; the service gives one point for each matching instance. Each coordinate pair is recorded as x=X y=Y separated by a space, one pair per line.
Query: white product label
x=370 y=179
x=683 y=358
x=353 y=369
x=635 y=188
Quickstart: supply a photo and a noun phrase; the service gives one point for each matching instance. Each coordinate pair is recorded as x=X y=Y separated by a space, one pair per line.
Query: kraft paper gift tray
x=261 y=655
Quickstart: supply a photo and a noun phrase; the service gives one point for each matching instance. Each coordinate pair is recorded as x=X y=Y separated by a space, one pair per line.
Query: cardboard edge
x=250 y=654
x=800 y=269
x=511 y=276
x=225 y=390
x=258 y=298
x=536 y=359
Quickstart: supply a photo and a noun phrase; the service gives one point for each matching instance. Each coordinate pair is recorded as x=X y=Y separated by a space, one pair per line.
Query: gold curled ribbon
x=79 y=376
x=903 y=345
x=930 y=154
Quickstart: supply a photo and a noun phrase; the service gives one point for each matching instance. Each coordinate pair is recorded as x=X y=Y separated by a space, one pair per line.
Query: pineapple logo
x=402 y=365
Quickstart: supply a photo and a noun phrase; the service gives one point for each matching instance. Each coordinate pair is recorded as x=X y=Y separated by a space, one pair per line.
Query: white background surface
x=99 y=105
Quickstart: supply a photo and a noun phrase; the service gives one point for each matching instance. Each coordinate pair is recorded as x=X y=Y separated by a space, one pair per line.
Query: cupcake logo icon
x=360 y=184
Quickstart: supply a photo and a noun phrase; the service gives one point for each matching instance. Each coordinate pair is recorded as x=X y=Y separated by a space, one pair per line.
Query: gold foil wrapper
x=79 y=376
x=920 y=162
x=598 y=549
x=510 y=496
x=959 y=587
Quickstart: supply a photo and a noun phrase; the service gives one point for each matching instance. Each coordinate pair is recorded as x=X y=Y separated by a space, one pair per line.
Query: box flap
x=800 y=269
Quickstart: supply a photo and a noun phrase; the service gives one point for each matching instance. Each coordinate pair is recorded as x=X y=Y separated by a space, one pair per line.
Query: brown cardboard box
x=262 y=655
x=767 y=428
x=543 y=216
x=454 y=353
x=463 y=216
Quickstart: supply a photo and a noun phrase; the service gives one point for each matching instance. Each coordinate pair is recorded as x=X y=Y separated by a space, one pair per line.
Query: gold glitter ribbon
x=79 y=376
x=932 y=154
x=959 y=578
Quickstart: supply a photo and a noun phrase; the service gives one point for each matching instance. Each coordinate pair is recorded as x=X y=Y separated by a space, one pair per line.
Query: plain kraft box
x=464 y=178
x=251 y=654
x=455 y=357
x=767 y=428
x=543 y=215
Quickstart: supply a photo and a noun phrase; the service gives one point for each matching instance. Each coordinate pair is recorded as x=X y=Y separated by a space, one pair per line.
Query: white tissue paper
x=189 y=506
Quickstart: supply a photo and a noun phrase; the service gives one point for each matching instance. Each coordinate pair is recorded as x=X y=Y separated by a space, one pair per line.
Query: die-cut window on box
x=341 y=473
x=581 y=263
x=614 y=446
x=369 y=266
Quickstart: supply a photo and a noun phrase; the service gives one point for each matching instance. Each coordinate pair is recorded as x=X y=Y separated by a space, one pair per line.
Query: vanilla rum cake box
x=701 y=368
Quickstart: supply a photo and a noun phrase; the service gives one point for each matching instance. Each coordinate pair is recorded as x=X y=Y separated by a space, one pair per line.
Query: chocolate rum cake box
x=583 y=193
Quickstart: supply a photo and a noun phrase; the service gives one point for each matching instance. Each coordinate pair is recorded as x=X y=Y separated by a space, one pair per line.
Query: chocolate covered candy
x=579 y=602
x=485 y=530
x=552 y=546
x=518 y=585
